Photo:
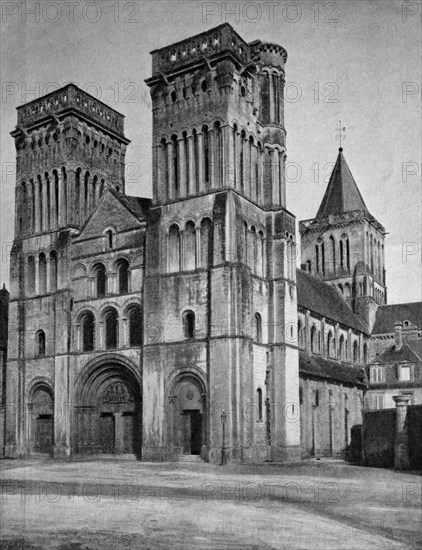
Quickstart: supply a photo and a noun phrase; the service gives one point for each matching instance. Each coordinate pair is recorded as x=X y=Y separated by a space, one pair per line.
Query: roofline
x=67 y=86
x=198 y=35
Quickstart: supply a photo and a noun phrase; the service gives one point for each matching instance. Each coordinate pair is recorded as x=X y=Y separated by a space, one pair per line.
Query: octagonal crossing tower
x=221 y=361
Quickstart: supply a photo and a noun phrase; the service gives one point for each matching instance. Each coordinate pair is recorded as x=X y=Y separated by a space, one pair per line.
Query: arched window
x=347 y=291
x=206 y=155
x=42 y=273
x=40 y=342
x=365 y=354
x=300 y=334
x=309 y=266
x=111 y=329
x=356 y=353
x=260 y=254
x=218 y=158
x=341 y=348
x=332 y=259
x=135 y=326
x=258 y=328
x=109 y=239
x=88 y=331
x=175 y=161
x=31 y=275
x=252 y=250
x=330 y=345
x=174 y=249
x=340 y=287
x=259 y=395
x=189 y=248
x=100 y=280
x=53 y=271
x=205 y=242
x=242 y=160
x=123 y=276
x=189 y=324
x=314 y=340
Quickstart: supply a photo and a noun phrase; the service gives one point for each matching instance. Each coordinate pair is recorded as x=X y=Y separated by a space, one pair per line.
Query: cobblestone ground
x=115 y=505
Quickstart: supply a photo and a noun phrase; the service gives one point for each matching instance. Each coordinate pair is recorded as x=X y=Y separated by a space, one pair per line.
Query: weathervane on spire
x=341 y=134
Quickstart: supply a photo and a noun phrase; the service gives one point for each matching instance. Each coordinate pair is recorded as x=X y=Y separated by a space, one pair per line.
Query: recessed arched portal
x=188 y=415
x=108 y=407
x=41 y=417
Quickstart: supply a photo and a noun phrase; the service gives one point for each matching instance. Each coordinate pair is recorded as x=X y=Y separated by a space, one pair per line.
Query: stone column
x=200 y=161
x=275 y=176
x=191 y=170
x=28 y=217
x=401 y=443
x=53 y=214
x=45 y=211
x=101 y=335
x=62 y=200
x=182 y=167
x=254 y=182
x=125 y=331
x=182 y=250
x=47 y=274
x=78 y=337
x=111 y=282
x=212 y=168
x=37 y=206
x=272 y=98
x=247 y=167
x=37 y=274
x=228 y=156
x=170 y=182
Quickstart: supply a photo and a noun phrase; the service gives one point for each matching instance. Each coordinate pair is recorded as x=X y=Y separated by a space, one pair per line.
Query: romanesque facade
x=179 y=325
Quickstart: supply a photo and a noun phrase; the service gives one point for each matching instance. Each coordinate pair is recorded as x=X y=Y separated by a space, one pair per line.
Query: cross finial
x=341 y=134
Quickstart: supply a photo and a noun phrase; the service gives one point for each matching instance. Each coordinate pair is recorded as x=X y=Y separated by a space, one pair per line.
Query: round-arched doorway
x=41 y=419
x=108 y=411
x=188 y=419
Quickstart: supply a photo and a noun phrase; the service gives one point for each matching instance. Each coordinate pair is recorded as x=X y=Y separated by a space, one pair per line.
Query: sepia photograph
x=210 y=275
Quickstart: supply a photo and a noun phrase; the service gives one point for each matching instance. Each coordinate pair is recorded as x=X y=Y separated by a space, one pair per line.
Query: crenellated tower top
x=218 y=118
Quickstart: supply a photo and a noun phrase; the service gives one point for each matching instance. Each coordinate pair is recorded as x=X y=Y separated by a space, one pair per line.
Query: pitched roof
x=322 y=298
x=411 y=350
x=387 y=315
x=138 y=206
x=316 y=366
x=342 y=194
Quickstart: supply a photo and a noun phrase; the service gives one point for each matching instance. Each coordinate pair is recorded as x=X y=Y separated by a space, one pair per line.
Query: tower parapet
x=218 y=118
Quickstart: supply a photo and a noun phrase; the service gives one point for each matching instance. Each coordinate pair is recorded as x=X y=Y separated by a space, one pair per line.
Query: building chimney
x=398 y=334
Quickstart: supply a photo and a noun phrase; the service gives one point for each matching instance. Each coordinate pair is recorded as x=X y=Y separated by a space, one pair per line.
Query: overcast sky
x=358 y=61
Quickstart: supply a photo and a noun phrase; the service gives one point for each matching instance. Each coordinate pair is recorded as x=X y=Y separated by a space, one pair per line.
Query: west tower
x=70 y=148
x=220 y=362
x=344 y=244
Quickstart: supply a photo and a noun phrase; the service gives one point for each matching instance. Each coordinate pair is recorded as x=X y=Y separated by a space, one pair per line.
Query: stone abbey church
x=179 y=325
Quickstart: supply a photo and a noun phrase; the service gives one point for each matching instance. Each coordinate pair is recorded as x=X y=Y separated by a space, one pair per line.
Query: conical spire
x=342 y=193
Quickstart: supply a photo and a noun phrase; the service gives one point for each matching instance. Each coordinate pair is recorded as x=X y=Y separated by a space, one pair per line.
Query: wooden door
x=107 y=433
x=186 y=433
x=195 y=432
x=128 y=426
x=44 y=433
